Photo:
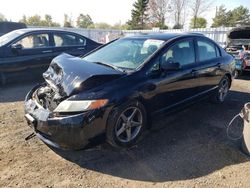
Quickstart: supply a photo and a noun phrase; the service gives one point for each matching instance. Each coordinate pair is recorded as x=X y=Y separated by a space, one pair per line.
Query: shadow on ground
x=244 y=76
x=188 y=144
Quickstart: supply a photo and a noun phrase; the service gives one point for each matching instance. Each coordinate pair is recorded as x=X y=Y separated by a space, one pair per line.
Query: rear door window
x=62 y=40
x=34 y=41
x=206 y=50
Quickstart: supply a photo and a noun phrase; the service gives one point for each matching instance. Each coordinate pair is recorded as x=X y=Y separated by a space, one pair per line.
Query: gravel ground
x=185 y=149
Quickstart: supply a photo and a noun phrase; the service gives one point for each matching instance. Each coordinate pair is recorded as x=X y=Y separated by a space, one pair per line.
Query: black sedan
x=116 y=90
x=32 y=49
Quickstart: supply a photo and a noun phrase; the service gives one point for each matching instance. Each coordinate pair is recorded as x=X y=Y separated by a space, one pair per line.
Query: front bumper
x=67 y=132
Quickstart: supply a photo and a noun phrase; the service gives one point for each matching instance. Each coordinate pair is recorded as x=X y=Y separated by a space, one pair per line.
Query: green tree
x=36 y=20
x=84 y=21
x=200 y=23
x=120 y=26
x=67 y=21
x=48 y=19
x=2 y=18
x=23 y=20
x=139 y=16
x=102 y=25
x=221 y=17
x=49 y=22
x=239 y=15
x=161 y=25
x=178 y=26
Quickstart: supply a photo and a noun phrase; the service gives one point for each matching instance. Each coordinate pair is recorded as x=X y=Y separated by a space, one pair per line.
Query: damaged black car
x=117 y=89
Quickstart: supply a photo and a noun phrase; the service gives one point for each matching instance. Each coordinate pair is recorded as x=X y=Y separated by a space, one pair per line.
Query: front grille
x=47 y=97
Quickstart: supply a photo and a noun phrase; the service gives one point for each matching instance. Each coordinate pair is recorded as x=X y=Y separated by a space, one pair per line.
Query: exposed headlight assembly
x=80 y=106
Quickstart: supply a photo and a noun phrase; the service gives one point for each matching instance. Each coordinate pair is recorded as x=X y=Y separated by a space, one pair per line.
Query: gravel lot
x=185 y=149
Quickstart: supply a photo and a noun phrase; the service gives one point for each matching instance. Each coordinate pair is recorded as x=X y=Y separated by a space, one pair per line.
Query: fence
x=217 y=34
x=102 y=35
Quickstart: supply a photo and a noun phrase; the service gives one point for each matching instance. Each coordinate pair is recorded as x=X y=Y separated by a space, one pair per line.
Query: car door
x=209 y=70
x=70 y=43
x=174 y=86
x=32 y=51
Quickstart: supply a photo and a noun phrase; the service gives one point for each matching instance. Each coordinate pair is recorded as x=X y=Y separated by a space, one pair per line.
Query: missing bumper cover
x=30 y=119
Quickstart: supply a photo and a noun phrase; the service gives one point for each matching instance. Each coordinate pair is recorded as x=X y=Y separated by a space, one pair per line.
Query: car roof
x=164 y=36
x=26 y=30
x=159 y=36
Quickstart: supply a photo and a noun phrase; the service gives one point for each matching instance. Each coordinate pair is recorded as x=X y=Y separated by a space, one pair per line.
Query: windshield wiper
x=111 y=66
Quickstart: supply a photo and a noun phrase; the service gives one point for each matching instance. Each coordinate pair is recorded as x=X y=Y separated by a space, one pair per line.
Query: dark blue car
x=33 y=49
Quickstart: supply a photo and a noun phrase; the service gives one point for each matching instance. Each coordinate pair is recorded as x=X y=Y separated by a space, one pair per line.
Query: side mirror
x=170 y=65
x=16 y=46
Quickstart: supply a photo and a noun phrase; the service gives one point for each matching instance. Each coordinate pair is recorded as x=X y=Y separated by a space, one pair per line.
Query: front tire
x=126 y=124
x=222 y=91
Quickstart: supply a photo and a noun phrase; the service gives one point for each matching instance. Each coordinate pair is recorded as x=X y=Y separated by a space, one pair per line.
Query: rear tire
x=126 y=123
x=222 y=91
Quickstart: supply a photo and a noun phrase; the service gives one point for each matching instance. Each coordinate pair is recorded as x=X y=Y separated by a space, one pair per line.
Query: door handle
x=81 y=48
x=47 y=51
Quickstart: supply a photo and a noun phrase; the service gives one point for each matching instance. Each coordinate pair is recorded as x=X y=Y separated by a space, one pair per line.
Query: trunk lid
x=238 y=36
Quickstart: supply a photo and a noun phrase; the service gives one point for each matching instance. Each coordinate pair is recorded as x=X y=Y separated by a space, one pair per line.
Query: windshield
x=127 y=53
x=9 y=37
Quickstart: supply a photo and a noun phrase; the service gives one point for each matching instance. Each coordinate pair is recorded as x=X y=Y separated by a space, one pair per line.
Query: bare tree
x=178 y=6
x=198 y=7
x=157 y=12
x=67 y=21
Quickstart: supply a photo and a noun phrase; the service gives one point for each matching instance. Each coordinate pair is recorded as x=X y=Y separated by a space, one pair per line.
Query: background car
x=6 y=27
x=241 y=66
x=33 y=49
x=235 y=39
x=118 y=88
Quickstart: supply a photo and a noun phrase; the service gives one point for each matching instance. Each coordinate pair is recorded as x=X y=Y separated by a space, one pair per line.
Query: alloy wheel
x=223 y=90
x=129 y=124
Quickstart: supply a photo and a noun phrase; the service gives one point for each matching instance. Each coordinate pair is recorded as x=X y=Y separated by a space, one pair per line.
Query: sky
x=109 y=11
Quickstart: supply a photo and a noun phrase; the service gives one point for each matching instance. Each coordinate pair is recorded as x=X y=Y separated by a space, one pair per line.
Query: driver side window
x=181 y=52
x=34 y=41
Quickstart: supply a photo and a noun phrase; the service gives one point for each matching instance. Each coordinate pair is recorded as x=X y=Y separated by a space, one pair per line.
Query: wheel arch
x=129 y=100
x=229 y=76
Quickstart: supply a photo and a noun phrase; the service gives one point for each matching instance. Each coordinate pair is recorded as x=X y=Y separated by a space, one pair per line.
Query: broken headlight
x=79 y=106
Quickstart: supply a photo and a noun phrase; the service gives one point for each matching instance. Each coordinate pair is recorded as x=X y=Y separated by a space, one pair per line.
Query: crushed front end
x=61 y=130
x=65 y=111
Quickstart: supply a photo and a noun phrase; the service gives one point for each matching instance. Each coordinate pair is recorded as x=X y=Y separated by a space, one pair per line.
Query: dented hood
x=70 y=75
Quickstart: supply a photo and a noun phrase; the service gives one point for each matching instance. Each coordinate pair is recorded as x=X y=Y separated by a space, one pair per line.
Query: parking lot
x=186 y=149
